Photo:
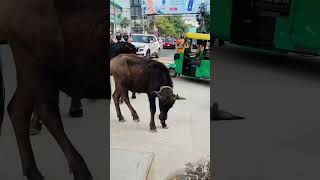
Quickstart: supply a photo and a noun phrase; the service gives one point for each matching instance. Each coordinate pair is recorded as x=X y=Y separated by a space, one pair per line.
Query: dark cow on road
x=137 y=74
x=75 y=109
x=57 y=45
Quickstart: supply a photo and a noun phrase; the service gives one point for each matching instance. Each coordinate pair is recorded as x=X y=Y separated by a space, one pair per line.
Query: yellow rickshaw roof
x=199 y=36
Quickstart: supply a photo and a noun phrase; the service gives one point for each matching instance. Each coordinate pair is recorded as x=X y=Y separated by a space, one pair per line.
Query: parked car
x=169 y=43
x=147 y=45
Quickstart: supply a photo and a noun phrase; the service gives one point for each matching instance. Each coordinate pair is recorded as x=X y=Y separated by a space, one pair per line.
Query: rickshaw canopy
x=198 y=36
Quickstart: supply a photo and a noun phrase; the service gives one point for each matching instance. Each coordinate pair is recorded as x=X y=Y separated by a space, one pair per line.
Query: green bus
x=275 y=25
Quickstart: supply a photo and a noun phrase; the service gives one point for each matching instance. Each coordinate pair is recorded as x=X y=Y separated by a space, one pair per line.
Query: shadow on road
x=191 y=80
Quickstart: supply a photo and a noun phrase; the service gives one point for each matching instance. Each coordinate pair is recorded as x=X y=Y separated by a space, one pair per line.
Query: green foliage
x=179 y=24
x=203 y=19
x=124 y=23
x=171 y=25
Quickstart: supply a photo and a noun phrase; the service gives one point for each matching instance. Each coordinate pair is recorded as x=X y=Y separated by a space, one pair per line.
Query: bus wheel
x=172 y=72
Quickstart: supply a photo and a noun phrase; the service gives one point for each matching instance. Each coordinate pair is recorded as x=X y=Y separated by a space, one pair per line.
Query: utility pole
x=141 y=13
x=154 y=22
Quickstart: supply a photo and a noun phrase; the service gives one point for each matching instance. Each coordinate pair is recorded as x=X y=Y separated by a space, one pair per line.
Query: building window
x=135 y=2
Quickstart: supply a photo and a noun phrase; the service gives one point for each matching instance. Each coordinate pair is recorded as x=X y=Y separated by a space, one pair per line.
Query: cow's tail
x=2 y=97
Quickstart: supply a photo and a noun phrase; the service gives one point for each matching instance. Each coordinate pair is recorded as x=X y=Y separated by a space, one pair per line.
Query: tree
x=171 y=25
x=124 y=23
x=164 y=26
x=203 y=19
x=179 y=24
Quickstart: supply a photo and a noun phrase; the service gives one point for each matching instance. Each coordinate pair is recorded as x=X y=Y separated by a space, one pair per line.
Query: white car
x=147 y=45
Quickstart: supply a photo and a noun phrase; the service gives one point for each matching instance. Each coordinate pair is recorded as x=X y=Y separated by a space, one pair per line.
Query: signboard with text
x=163 y=7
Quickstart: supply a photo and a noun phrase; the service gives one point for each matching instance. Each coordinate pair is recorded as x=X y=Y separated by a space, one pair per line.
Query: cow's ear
x=180 y=98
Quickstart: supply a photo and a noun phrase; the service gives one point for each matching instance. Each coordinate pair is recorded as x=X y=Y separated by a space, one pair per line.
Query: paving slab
x=129 y=165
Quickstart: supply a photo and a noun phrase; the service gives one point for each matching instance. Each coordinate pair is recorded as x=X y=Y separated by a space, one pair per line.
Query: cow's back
x=119 y=67
x=67 y=37
x=136 y=73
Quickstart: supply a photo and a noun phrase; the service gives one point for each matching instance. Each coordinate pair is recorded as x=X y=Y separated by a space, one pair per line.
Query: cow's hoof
x=122 y=120
x=35 y=176
x=153 y=130
x=166 y=127
x=136 y=120
x=76 y=112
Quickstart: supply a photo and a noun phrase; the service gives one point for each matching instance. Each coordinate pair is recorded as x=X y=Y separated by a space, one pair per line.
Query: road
x=186 y=140
x=166 y=56
x=278 y=95
x=167 y=53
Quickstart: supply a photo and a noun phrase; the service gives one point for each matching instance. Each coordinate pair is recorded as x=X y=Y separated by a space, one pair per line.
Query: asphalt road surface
x=167 y=53
x=278 y=95
x=89 y=135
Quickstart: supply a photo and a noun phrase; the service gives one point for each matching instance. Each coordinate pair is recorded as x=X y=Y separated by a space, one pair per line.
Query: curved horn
x=165 y=87
x=156 y=92
x=180 y=98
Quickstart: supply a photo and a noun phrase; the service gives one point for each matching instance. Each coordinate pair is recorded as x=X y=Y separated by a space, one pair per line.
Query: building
x=116 y=9
x=126 y=12
x=136 y=16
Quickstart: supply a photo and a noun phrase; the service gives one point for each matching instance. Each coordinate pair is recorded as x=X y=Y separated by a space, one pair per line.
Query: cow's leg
x=36 y=124
x=133 y=95
x=20 y=109
x=76 y=107
x=125 y=98
x=153 y=108
x=116 y=97
x=49 y=113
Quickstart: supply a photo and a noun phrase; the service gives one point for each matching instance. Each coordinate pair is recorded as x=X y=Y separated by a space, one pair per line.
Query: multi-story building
x=126 y=12
x=136 y=16
x=116 y=8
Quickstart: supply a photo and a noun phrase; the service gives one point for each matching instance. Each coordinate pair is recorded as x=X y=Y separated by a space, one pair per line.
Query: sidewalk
x=186 y=140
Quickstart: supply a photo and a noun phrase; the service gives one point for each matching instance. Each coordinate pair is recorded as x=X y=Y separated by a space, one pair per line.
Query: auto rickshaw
x=189 y=63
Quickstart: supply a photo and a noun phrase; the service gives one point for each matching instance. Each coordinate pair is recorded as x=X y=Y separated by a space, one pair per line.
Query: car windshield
x=140 y=39
x=169 y=40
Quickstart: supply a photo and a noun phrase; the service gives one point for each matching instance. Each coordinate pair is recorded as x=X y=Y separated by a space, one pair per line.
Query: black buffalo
x=137 y=74
x=75 y=109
